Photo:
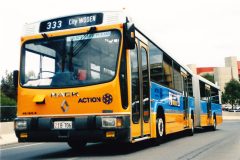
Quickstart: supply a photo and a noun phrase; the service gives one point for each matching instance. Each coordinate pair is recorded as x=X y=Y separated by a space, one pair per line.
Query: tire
x=77 y=145
x=160 y=130
x=214 y=127
x=190 y=131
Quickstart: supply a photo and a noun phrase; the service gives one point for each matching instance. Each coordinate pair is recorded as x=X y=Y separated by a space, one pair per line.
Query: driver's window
x=32 y=65
x=38 y=66
x=48 y=67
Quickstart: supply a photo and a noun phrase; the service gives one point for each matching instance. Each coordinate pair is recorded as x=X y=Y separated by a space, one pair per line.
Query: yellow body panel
x=219 y=120
x=52 y=106
x=135 y=130
x=205 y=121
x=147 y=128
x=174 y=122
x=153 y=125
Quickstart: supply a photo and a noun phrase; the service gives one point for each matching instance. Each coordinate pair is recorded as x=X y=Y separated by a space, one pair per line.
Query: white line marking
x=72 y=158
x=20 y=146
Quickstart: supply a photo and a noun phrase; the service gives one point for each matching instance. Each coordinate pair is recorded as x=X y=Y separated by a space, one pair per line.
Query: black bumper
x=86 y=128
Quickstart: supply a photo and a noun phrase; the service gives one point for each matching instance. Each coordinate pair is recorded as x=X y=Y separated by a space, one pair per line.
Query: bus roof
x=208 y=82
x=75 y=21
x=140 y=35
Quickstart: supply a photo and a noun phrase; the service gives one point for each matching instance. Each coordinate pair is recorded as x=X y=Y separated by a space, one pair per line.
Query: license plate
x=63 y=125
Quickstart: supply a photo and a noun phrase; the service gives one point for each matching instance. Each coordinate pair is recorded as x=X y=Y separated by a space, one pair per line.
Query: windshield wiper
x=45 y=36
x=80 y=47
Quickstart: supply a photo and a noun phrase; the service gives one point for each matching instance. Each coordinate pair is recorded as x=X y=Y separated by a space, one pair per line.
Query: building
x=205 y=70
x=222 y=75
x=232 y=63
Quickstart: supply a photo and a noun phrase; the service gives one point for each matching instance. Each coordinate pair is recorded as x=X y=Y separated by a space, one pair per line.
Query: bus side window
x=135 y=85
x=214 y=95
x=145 y=87
x=123 y=80
x=177 y=78
x=156 y=66
x=167 y=67
x=190 y=86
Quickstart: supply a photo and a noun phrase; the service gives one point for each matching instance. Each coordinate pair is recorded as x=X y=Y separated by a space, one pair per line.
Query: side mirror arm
x=129 y=35
x=15 y=78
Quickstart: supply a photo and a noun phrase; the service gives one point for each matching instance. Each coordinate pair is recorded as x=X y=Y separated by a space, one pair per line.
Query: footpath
x=7 y=135
x=231 y=115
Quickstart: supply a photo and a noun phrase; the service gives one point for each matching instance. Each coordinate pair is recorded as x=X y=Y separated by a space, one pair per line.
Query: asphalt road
x=222 y=144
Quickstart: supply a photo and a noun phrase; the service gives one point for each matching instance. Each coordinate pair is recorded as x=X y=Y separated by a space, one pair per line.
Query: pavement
x=231 y=115
x=7 y=134
x=8 y=139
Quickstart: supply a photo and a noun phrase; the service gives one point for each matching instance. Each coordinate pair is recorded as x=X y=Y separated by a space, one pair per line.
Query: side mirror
x=15 y=78
x=129 y=38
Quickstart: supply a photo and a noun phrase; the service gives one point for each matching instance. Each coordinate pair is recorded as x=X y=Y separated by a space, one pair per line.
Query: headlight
x=109 y=122
x=21 y=125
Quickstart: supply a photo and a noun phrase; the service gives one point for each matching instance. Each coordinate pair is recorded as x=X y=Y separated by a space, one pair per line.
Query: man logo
x=64 y=106
x=107 y=98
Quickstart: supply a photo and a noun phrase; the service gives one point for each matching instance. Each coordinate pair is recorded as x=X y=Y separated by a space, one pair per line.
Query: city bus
x=95 y=77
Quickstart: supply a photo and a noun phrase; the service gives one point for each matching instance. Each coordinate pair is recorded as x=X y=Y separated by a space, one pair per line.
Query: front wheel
x=77 y=145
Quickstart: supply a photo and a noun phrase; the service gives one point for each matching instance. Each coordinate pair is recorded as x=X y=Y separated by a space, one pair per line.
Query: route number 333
x=54 y=25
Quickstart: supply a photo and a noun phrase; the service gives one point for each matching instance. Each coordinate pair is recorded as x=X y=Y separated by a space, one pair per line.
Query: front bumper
x=84 y=128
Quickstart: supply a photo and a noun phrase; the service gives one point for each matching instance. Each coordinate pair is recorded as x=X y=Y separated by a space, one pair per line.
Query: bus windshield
x=67 y=61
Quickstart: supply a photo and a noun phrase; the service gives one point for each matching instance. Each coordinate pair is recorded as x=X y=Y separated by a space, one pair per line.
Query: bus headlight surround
x=111 y=122
x=21 y=125
x=108 y=122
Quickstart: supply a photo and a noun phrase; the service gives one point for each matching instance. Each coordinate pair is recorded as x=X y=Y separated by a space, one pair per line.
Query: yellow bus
x=95 y=77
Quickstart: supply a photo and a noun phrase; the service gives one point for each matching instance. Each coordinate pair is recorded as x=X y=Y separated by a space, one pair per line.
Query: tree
x=224 y=98
x=209 y=77
x=232 y=93
x=7 y=86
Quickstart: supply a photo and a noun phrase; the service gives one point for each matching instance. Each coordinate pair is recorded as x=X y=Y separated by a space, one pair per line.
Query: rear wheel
x=160 y=130
x=190 y=131
x=77 y=145
x=214 y=126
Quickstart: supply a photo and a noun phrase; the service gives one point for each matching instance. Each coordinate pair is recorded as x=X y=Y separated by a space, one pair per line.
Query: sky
x=201 y=32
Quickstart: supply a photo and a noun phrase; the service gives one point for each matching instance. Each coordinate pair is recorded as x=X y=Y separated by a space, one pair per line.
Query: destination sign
x=71 y=22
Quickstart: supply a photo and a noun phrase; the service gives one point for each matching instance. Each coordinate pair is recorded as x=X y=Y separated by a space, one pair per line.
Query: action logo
x=107 y=98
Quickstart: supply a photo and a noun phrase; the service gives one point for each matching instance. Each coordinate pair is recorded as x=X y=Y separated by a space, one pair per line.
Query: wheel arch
x=192 y=114
x=160 y=112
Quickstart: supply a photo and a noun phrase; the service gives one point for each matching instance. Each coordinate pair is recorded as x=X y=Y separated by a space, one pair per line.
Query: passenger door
x=185 y=101
x=209 y=106
x=140 y=85
x=145 y=89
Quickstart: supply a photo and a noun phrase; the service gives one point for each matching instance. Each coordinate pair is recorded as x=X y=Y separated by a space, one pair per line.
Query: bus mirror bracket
x=15 y=78
x=129 y=35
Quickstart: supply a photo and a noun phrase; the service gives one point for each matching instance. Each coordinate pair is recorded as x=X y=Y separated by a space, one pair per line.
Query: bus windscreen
x=69 y=61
